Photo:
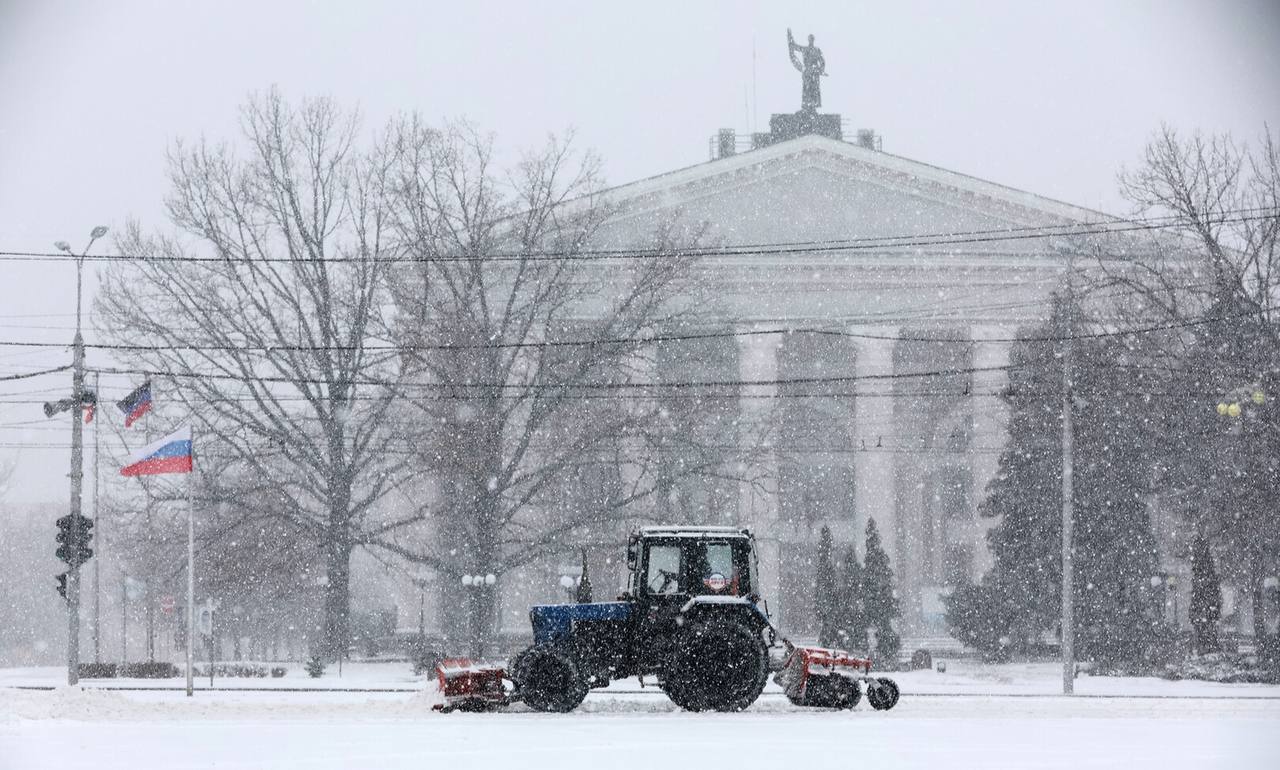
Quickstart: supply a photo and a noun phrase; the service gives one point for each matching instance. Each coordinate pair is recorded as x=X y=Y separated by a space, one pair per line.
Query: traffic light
x=75 y=534
x=86 y=540
x=62 y=586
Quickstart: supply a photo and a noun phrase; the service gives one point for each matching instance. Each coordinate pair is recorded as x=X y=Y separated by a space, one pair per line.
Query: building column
x=758 y=493
x=990 y=427
x=874 y=469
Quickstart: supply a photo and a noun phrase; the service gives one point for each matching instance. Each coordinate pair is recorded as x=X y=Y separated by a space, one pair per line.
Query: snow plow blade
x=824 y=678
x=469 y=686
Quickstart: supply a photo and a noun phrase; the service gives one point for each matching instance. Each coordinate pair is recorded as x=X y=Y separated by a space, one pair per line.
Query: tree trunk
x=337 y=600
x=482 y=603
x=481 y=598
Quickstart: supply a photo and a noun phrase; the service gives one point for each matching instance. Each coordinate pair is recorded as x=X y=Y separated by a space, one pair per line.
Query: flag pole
x=191 y=562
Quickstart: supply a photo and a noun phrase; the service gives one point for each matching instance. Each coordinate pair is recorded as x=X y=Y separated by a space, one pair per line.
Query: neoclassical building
x=908 y=282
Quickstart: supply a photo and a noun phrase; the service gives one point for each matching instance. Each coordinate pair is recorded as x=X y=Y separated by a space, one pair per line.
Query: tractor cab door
x=671 y=571
x=661 y=585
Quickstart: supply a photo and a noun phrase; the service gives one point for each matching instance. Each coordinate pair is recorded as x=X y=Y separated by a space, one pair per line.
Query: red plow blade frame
x=469 y=686
x=817 y=676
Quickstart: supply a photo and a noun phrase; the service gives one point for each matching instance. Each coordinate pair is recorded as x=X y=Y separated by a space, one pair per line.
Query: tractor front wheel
x=716 y=665
x=548 y=680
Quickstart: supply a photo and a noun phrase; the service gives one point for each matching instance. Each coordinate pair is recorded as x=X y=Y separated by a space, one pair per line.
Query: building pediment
x=820 y=189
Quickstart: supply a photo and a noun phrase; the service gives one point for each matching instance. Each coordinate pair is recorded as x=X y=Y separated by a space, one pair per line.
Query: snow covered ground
x=973 y=716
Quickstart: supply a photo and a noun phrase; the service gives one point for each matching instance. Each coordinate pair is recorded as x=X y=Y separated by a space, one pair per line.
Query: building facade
x=867 y=325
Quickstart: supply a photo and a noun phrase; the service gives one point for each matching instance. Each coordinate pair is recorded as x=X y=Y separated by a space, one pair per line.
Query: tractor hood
x=552 y=622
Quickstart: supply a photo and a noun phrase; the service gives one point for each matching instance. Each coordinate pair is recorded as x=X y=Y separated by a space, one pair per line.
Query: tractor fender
x=739 y=606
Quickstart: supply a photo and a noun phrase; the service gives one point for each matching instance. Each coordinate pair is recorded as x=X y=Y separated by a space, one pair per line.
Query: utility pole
x=97 y=563
x=77 y=478
x=77 y=463
x=1068 y=488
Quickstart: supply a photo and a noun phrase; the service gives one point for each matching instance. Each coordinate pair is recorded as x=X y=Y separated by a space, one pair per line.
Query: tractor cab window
x=720 y=573
x=663 y=574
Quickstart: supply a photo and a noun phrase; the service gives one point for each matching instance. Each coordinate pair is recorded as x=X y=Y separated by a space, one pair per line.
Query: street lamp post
x=77 y=458
x=421 y=580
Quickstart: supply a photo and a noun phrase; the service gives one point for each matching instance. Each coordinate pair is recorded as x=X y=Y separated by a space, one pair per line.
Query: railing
x=727 y=142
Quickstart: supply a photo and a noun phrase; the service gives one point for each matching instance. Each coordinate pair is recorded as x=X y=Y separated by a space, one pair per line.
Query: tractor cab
x=676 y=573
x=670 y=565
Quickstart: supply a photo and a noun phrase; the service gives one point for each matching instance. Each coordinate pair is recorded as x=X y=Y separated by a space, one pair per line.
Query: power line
x=956 y=393
x=29 y=375
x=758 y=249
x=657 y=338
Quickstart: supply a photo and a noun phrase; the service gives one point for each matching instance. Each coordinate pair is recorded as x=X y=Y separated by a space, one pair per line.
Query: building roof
x=814 y=149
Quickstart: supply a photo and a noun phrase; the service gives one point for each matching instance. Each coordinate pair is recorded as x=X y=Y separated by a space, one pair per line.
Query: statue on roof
x=811 y=66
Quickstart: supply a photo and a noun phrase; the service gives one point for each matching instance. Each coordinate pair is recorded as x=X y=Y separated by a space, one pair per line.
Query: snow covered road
x=70 y=728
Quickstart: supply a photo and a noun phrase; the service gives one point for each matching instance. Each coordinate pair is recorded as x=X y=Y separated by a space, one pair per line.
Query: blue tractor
x=691 y=616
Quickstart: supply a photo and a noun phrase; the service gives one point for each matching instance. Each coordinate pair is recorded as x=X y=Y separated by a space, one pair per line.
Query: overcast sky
x=1049 y=97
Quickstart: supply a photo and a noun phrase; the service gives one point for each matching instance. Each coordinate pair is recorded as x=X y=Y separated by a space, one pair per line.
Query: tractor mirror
x=632 y=554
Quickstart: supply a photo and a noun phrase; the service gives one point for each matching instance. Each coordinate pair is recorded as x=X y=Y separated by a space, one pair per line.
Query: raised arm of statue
x=791 y=50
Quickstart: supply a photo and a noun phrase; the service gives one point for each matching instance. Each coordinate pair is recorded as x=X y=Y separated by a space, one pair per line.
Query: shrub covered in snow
x=1222 y=667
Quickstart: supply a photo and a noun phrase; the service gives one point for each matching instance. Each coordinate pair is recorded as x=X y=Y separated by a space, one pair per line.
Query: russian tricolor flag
x=171 y=454
x=136 y=403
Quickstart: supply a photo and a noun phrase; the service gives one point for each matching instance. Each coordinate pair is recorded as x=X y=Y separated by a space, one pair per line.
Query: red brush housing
x=805 y=676
x=468 y=686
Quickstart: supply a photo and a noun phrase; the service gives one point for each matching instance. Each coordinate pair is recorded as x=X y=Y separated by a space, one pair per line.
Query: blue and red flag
x=136 y=403
x=171 y=454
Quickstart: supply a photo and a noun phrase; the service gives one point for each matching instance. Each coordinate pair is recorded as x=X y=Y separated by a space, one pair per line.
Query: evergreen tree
x=315 y=666
x=1206 y=597
x=878 y=601
x=826 y=599
x=1116 y=438
x=583 y=594
x=989 y=618
x=853 y=616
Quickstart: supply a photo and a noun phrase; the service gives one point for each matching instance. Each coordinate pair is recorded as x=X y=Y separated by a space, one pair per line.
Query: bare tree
x=539 y=426
x=1223 y=200
x=260 y=313
x=1213 y=274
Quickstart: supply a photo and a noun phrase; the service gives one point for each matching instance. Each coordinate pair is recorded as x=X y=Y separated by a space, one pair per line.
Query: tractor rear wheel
x=717 y=664
x=548 y=680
